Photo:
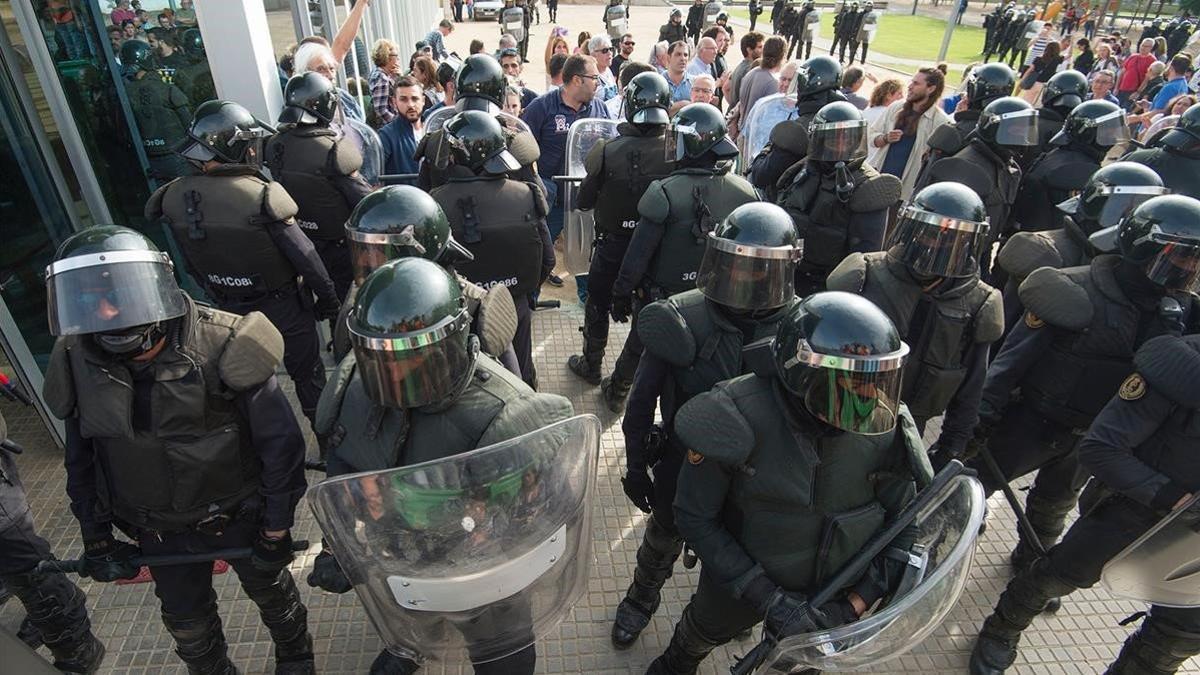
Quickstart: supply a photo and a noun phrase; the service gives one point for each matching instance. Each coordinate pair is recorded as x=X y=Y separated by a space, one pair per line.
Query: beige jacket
x=932 y=119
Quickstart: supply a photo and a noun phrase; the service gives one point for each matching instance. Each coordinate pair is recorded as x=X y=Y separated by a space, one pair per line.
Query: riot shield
x=766 y=113
x=1031 y=32
x=711 y=10
x=369 y=145
x=616 y=22
x=1163 y=566
x=579 y=230
x=945 y=548
x=488 y=549
x=512 y=21
x=812 y=26
x=866 y=31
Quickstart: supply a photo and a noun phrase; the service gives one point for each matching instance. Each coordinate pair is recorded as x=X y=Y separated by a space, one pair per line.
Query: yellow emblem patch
x=694 y=457
x=1133 y=388
x=1033 y=321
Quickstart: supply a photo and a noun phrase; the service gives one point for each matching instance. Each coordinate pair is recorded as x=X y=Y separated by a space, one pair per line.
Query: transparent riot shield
x=866 y=32
x=616 y=22
x=1031 y=32
x=579 y=230
x=512 y=21
x=711 y=10
x=486 y=551
x=1163 y=566
x=370 y=147
x=812 y=26
x=766 y=113
x=946 y=547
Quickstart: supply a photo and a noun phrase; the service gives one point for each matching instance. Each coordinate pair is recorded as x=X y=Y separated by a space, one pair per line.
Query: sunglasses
x=628 y=44
x=604 y=50
x=90 y=300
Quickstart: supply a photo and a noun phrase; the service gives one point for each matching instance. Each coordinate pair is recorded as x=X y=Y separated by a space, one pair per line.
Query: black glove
x=622 y=308
x=327 y=309
x=272 y=555
x=788 y=614
x=327 y=575
x=639 y=488
x=108 y=560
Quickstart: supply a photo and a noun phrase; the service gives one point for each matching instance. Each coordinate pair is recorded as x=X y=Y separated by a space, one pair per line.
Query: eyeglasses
x=594 y=78
x=604 y=50
x=628 y=44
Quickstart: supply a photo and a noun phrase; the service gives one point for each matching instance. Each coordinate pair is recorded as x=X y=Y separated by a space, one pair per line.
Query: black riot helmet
x=309 y=99
x=1184 y=137
x=647 y=99
x=477 y=142
x=697 y=130
x=1112 y=193
x=114 y=284
x=941 y=232
x=410 y=331
x=842 y=357
x=480 y=84
x=1008 y=122
x=816 y=75
x=750 y=257
x=1162 y=236
x=136 y=56
x=837 y=133
x=226 y=132
x=1099 y=124
x=193 y=44
x=1065 y=90
x=988 y=83
x=399 y=221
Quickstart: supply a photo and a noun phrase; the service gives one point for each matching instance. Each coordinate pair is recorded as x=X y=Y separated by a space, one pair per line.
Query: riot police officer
x=865 y=33
x=759 y=451
x=56 y=608
x=986 y=84
x=694 y=340
x=844 y=16
x=928 y=284
x=675 y=216
x=853 y=29
x=479 y=85
x=1141 y=449
x=161 y=110
x=1004 y=16
x=619 y=171
x=1112 y=193
x=838 y=202
x=319 y=170
x=1175 y=154
x=673 y=30
x=807 y=26
x=1074 y=154
x=1062 y=92
x=1073 y=348
x=195 y=78
x=414 y=390
x=818 y=81
x=178 y=434
x=238 y=235
x=986 y=164
x=501 y=221
x=695 y=20
x=755 y=8
x=991 y=23
x=1016 y=38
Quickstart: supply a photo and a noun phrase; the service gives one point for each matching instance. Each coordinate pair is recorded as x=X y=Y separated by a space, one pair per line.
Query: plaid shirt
x=381 y=95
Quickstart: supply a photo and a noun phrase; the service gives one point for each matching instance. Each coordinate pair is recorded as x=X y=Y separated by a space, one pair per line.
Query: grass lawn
x=908 y=37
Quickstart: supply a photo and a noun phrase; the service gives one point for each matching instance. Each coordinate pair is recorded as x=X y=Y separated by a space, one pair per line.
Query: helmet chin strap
x=132 y=342
x=845 y=182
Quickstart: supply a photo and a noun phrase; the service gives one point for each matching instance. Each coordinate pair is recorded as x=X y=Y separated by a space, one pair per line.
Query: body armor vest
x=1052 y=179
x=631 y=164
x=196 y=81
x=304 y=160
x=498 y=221
x=218 y=222
x=822 y=218
x=934 y=370
x=950 y=138
x=699 y=199
x=1082 y=370
x=197 y=458
x=155 y=106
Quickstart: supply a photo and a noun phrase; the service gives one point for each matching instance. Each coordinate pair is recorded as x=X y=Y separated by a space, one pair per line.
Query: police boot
x=199 y=640
x=1048 y=519
x=687 y=649
x=388 y=663
x=1155 y=648
x=614 y=392
x=1023 y=599
x=55 y=608
x=286 y=617
x=655 y=559
x=595 y=340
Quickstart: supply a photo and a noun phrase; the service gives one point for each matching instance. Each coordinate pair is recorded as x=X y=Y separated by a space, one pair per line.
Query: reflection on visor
x=1176 y=267
x=861 y=403
x=1018 y=128
x=676 y=145
x=838 y=141
x=1118 y=202
x=931 y=244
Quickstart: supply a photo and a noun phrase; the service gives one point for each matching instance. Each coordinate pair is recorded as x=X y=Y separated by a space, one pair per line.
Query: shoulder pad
x=878 y=192
x=329 y=406
x=525 y=413
x=154 y=210
x=791 y=136
x=850 y=275
x=665 y=333
x=989 y=320
x=712 y=425
x=1027 y=251
x=59 y=386
x=594 y=162
x=1172 y=366
x=344 y=158
x=253 y=352
x=277 y=204
x=962 y=171
x=540 y=206
x=654 y=205
x=524 y=147
x=1071 y=176
x=918 y=459
x=946 y=139
x=1056 y=298
x=496 y=320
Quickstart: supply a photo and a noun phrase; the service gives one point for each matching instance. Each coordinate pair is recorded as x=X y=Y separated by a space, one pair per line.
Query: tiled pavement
x=1081 y=638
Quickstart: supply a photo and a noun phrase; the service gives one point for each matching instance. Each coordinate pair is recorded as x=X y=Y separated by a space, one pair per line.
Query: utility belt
x=247 y=511
x=285 y=291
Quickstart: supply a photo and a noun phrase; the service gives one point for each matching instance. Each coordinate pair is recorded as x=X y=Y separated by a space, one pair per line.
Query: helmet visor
x=1109 y=204
x=679 y=138
x=931 y=244
x=653 y=115
x=415 y=369
x=747 y=277
x=370 y=250
x=859 y=402
x=105 y=292
x=1017 y=129
x=1176 y=267
x=838 y=141
x=1111 y=129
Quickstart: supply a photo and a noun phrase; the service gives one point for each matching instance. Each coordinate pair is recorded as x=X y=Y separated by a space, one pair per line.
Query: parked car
x=488 y=9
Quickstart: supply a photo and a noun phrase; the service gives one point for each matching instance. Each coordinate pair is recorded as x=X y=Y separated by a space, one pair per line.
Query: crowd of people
x=812 y=276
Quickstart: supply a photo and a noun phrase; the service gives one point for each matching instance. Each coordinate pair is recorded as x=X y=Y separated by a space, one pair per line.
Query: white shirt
x=696 y=67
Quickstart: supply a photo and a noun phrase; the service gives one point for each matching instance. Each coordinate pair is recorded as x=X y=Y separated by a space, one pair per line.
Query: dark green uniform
x=162 y=112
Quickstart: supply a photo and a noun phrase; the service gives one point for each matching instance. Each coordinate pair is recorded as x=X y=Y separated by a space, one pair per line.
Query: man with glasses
x=1102 y=86
x=510 y=61
x=625 y=53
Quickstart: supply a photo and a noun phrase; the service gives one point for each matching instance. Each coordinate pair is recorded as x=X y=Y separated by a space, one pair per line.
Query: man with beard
x=400 y=136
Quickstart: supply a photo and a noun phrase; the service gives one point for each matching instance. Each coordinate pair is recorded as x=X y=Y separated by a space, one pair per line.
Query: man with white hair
x=316 y=56
x=601 y=49
x=706 y=54
x=704 y=89
x=507 y=41
x=660 y=55
x=768 y=112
